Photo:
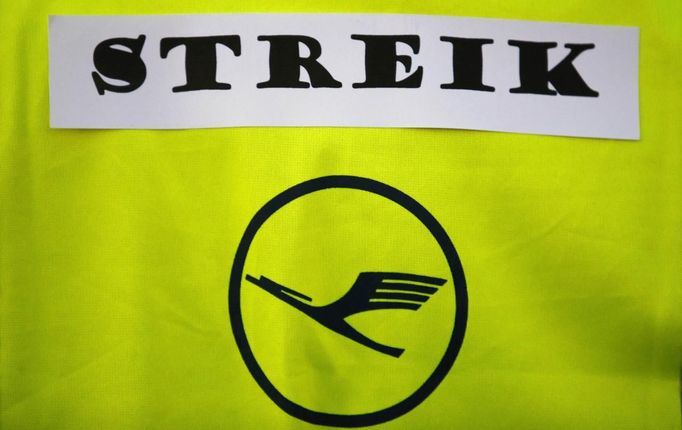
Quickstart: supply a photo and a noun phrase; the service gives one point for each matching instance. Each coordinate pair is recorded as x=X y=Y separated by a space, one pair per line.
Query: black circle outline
x=461 y=301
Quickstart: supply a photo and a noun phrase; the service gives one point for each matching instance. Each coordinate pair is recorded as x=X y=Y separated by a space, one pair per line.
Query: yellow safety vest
x=155 y=280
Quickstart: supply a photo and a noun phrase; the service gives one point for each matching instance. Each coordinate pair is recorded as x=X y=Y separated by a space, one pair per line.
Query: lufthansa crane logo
x=319 y=290
x=371 y=291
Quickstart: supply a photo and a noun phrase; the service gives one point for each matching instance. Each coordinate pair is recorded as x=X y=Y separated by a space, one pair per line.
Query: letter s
x=119 y=58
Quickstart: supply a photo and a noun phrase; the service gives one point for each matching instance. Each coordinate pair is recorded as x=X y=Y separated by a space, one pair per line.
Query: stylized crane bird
x=371 y=291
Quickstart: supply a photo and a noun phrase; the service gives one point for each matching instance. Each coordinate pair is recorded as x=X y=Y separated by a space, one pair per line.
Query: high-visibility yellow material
x=116 y=249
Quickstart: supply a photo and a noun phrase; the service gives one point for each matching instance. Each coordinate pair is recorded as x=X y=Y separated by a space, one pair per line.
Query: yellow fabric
x=116 y=248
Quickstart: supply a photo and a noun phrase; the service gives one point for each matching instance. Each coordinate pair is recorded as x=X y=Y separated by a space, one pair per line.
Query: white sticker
x=197 y=71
